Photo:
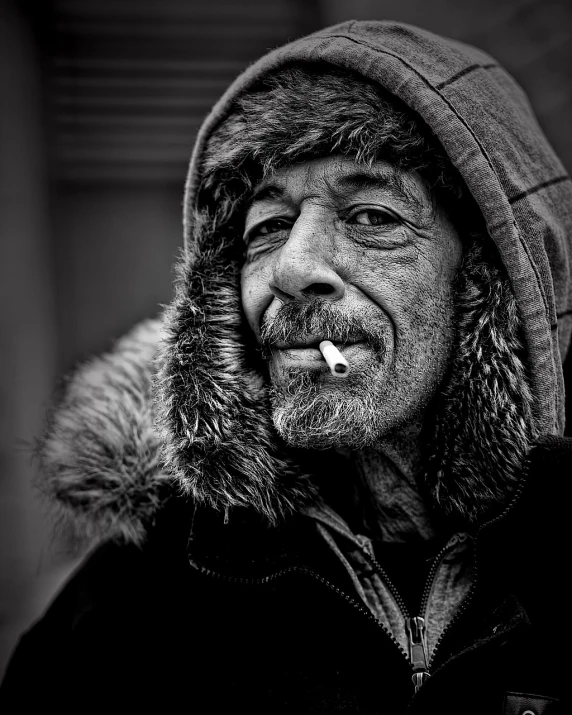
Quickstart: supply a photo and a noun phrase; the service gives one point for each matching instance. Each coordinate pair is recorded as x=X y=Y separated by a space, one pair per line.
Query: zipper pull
x=416 y=630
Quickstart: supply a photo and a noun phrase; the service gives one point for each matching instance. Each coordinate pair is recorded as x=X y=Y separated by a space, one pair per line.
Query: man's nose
x=304 y=270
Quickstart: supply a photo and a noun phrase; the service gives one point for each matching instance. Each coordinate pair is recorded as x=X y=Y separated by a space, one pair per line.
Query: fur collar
x=104 y=468
x=100 y=456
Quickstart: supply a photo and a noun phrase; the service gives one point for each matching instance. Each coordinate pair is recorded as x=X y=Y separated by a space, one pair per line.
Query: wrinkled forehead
x=338 y=177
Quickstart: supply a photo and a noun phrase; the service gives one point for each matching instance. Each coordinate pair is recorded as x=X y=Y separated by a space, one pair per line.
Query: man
x=294 y=541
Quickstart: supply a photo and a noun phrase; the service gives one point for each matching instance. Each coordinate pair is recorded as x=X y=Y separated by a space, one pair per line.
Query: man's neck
x=390 y=505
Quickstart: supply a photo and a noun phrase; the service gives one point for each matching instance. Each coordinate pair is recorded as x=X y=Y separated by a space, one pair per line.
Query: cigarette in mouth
x=337 y=363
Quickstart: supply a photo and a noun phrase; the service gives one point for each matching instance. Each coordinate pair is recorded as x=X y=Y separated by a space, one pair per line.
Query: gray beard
x=308 y=416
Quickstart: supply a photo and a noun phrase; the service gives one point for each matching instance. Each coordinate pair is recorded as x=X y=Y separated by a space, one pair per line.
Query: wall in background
x=27 y=318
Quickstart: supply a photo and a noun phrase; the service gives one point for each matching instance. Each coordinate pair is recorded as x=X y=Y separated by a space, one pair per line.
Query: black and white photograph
x=287 y=323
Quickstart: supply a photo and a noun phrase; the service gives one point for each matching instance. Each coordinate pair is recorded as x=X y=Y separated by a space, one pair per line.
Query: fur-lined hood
x=112 y=453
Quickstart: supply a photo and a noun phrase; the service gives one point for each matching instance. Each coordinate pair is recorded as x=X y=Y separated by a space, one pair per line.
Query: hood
x=214 y=427
x=486 y=125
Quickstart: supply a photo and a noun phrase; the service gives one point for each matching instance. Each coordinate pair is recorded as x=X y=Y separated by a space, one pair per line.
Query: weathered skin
x=384 y=251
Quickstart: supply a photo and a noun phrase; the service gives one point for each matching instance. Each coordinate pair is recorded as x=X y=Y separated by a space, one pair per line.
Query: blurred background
x=100 y=101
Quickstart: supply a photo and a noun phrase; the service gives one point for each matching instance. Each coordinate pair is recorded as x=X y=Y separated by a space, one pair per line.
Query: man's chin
x=311 y=409
x=302 y=439
x=326 y=423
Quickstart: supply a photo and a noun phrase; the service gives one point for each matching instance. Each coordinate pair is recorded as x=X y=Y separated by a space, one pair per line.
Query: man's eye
x=269 y=227
x=372 y=217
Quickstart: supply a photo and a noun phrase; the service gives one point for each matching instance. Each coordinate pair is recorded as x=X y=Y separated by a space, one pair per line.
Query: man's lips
x=314 y=342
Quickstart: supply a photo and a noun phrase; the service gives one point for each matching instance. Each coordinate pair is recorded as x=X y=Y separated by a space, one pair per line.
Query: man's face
x=363 y=257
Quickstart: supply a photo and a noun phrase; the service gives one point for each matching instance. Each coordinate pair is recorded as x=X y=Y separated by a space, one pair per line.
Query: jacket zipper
x=417 y=633
x=470 y=595
x=357 y=605
x=415 y=626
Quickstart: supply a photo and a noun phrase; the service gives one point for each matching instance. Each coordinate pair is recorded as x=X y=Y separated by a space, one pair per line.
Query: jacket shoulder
x=528 y=548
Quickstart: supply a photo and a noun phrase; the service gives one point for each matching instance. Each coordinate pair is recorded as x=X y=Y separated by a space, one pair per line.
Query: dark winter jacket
x=246 y=618
x=214 y=589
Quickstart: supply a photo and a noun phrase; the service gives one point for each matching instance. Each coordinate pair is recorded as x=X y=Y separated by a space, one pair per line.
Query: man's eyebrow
x=265 y=192
x=382 y=181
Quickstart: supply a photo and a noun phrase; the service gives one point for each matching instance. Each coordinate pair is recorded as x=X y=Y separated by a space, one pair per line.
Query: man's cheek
x=255 y=296
x=425 y=333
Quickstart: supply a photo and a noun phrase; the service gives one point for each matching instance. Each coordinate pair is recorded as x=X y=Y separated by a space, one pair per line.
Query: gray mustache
x=295 y=322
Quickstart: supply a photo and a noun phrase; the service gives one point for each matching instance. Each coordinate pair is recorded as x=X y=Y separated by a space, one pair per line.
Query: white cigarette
x=337 y=363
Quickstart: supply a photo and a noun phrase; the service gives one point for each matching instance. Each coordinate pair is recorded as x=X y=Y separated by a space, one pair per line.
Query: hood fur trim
x=213 y=405
x=483 y=422
x=114 y=451
x=100 y=457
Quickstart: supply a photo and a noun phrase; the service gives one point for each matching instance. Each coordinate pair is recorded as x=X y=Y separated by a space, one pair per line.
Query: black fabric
x=269 y=624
